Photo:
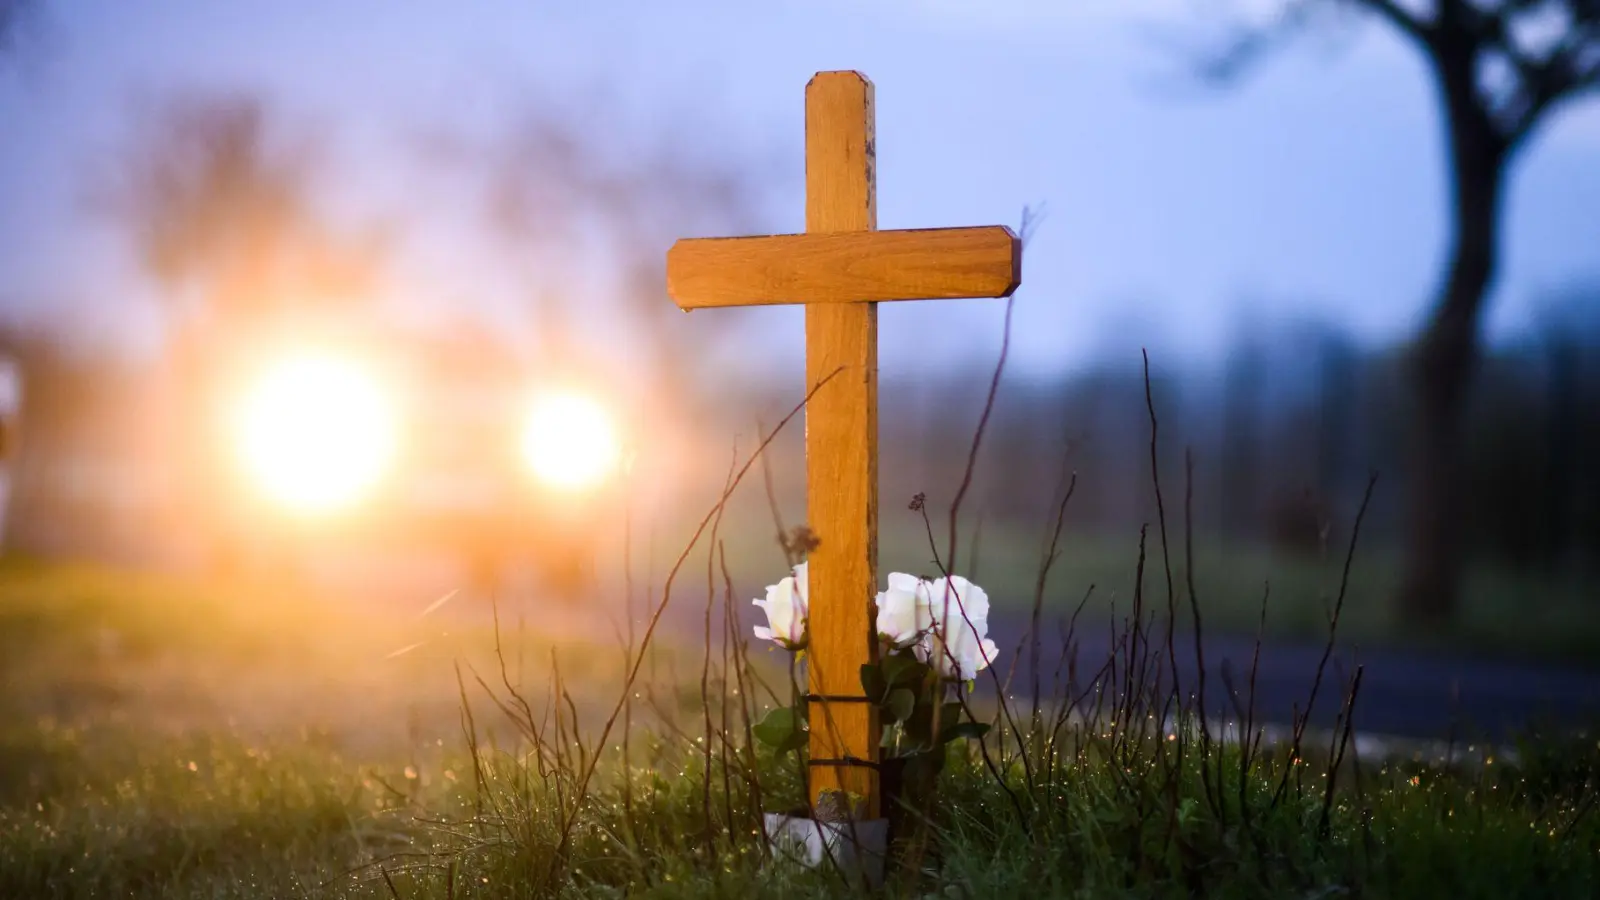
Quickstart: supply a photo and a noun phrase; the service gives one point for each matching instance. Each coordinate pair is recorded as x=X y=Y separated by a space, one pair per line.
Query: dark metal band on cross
x=840 y=269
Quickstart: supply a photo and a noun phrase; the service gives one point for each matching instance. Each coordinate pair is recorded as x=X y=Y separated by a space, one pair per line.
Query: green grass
x=239 y=742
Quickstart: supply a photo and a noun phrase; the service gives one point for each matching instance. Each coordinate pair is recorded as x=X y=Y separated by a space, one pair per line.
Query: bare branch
x=215 y=201
x=1406 y=22
x=1571 y=68
x=1248 y=43
x=1590 y=78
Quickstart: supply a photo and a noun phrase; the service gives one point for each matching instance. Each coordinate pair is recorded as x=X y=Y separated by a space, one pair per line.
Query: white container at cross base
x=857 y=849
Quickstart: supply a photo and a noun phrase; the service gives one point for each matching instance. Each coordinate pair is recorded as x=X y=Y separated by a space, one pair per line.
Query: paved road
x=1409 y=695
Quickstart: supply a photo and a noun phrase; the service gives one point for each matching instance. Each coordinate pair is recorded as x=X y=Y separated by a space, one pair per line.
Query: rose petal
x=900 y=581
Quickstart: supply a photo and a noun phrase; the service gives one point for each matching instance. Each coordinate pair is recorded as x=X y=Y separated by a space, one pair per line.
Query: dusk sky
x=1315 y=188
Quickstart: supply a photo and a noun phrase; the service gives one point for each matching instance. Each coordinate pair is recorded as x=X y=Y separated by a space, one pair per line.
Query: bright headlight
x=570 y=441
x=315 y=432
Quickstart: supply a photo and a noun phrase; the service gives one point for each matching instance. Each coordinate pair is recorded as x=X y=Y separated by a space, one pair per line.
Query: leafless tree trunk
x=1446 y=355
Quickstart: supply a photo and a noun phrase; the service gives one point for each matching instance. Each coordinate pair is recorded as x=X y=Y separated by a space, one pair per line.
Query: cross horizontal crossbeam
x=846 y=267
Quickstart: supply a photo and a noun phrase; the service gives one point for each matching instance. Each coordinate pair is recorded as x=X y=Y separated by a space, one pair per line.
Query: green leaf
x=919 y=725
x=921 y=774
x=1187 y=811
x=873 y=683
x=973 y=730
x=949 y=715
x=900 y=705
x=782 y=729
x=901 y=669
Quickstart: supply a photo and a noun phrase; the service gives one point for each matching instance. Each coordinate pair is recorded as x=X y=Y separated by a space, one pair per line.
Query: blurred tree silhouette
x=1500 y=67
x=220 y=210
x=1244 y=375
x=219 y=206
x=12 y=13
x=1534 y=442
x=557 y=180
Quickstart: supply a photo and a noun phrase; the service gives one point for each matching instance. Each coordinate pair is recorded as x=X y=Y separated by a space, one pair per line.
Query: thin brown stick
x=1050 y=557
x=1344 y=742
x=791 y=554
x=705 y=668
x=1333 y=630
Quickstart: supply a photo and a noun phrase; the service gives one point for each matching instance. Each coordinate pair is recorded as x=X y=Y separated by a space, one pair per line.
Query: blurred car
x=327 y=439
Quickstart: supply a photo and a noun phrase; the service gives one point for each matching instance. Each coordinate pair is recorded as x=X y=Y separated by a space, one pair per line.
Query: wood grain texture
x=851 y=266
x=842 y=442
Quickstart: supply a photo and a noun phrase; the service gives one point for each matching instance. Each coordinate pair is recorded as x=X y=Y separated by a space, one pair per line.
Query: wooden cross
x=840 y=268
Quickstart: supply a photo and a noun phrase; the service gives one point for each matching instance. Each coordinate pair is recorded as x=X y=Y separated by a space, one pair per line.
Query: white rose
x=956 y=600
x=786 y=610
x=904 y=610
x=957 y=645
x=962 y=658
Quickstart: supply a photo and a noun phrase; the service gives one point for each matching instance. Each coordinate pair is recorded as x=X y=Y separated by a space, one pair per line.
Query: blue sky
x=1174 y=212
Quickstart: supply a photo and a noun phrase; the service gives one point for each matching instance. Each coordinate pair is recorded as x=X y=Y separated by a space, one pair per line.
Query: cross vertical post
x=841 y=422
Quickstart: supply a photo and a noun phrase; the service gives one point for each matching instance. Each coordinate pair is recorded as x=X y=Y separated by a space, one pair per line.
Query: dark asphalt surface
x=1411 y=695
